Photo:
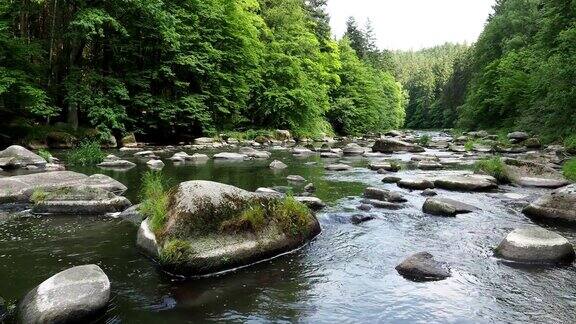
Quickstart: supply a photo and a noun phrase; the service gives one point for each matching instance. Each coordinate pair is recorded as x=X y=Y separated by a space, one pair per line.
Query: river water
x=346 y=275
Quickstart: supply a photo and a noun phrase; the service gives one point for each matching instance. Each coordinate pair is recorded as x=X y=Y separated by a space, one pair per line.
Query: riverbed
x=346 y=275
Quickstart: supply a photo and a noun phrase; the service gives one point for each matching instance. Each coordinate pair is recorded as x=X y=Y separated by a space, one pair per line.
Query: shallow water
x=345 y=275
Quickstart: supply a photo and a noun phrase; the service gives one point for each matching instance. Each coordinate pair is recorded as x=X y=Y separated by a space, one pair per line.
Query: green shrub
x=424 y=140
x=395 y=166
x=494 y=167
x=87 y=153
x=154 y=199
x=570 y=144
x=469 y=146
x=45 y=154
x=569 y=170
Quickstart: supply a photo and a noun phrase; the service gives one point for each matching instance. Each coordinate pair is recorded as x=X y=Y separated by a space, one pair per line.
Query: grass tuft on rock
x=569 y=169
x=494 y=167
x=293 y=216
x=424 y=140
x=176 y=251
x=45 y=154
x=154 y=197
x=87 y=153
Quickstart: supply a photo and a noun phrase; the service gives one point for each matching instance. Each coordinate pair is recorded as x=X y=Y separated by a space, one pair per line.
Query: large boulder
x=559 y=205
x=20 y=188
x=211 y=227
x=470 y=182
x=535 y=245
x=16 y=156
x=532 y=174
x=441 y=206
x=78 y=201
x=278 y=165
x=422 y=267
x=390 y=145
x=282 y=135
x=75 y=295
x=518 y=136
x=383 y=195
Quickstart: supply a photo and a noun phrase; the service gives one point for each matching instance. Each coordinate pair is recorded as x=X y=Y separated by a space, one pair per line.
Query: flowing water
x=346 y=275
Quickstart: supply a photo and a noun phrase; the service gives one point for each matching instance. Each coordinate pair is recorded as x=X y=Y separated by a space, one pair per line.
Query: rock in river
x=295 y=178
x=470 y=182
x=559 y=205
x=212 y=227
x=230 y=156
x=441 y=206
x=535 y=245
x=75 y=295
x=20 y=188
x=389 y=145
x=278 y=165
x=117 y=164
x=78 y=201
x=338 y=167
x=16 y=156
x=353 y=149
x=422 y=267
x=383 y=195
x=415 y=184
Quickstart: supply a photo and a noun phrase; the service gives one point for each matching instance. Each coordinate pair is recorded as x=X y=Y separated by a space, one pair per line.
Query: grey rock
x=310 y=187
x=203 y=141
x=117 y=164
x=338 y=167
x=359 y=219
x=230 y=156
x=558 y=205
x=389 y=145
x=535 y=245
x=295 y=178
x=429 y=165
x=382 y=204
x=278 y=165
x=16 y=156
x=383 y=195
x=365 y=207
x=415 y=184
x=75 y=295
x=467 y=183
x=313 y=203
x=353 y=149
x=429 y=193
x=20 y=188
x=441 y=206
x=518 y=136
x=79 y=201
x=422 y=267
x=391 y=179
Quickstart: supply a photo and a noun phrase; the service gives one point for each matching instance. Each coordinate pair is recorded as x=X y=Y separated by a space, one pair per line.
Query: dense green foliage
x=435 y=79
x=184 y=68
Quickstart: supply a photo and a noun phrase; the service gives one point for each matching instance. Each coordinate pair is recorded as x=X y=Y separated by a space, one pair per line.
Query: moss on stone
x=176 y=252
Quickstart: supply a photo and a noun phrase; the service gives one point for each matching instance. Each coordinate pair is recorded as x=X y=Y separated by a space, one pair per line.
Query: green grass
x=87 y=153
x=494 y=167
x=469 y=146
x=38 y=195
x=176 y=251
x=45 y=154
x=293 y=216
x=424 y=140
x=569 y=169
x=570 y=144
x=154 y=197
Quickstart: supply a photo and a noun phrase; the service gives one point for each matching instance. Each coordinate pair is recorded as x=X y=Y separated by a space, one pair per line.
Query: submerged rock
x=295 y=178
x=78 y=201
x=391 y=167
x=391 y=179
x=75 y=295
x=422 y=267
x=535 y=245
x=389 y=145
x=230 y=156
x=441 y=206
x=117 y=164
x=382 y=204
x=20 y=188
x=472 y=182
x=278 y=165
x=359 y=219
x=16 y=156
x=559 y=205
x=211 y=227
x=338 y=167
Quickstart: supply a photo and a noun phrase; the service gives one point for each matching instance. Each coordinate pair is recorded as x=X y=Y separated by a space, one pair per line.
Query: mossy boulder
x=211 y=227
x=532 y=174
x=77 y=200
x=60 y=140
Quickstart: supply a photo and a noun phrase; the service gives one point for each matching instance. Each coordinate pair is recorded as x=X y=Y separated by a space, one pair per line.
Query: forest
x=182 y=69
x=171 y=70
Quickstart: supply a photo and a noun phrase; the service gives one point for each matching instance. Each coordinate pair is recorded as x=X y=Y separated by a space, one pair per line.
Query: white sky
x=414 y=24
